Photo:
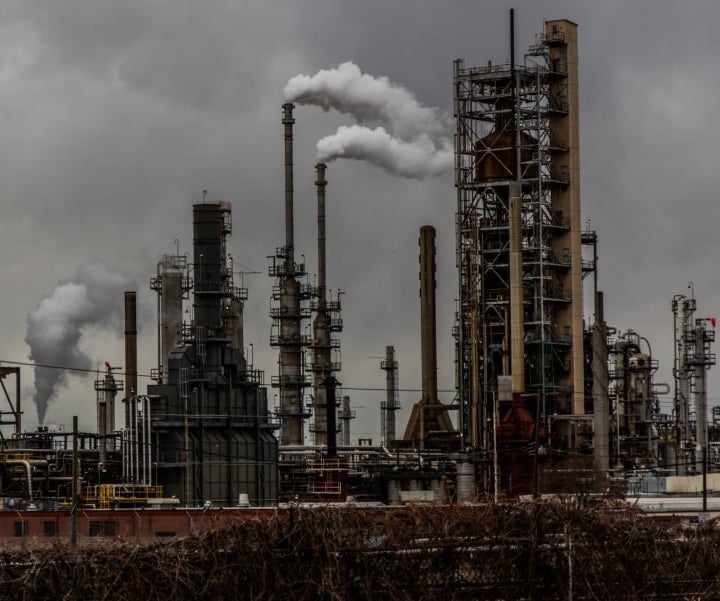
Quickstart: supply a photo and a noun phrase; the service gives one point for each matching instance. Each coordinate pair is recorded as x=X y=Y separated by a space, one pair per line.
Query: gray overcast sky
x=116 y=115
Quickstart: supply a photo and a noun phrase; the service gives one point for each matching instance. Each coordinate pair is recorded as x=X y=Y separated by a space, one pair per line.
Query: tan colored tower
x=562 y=52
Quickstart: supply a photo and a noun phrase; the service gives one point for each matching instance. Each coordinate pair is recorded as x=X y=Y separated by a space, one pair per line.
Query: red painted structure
x=141 y=523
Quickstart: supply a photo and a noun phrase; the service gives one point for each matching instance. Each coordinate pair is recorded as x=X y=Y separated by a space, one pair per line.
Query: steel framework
x=518 y=233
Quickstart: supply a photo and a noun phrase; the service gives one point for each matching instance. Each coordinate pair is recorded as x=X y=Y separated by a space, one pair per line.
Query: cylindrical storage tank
x=393 y=492
x=465 y=482
x=438 y=489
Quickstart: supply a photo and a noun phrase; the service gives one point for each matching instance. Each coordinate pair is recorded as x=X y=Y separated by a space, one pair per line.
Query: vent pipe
x=288 y=317
x=321 y=325
x=130 y=351
x=321 y=184
x=288 y=122
x=517 y=328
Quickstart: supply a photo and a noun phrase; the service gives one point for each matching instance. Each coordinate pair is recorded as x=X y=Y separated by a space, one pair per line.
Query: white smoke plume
x=369 y=100
x=419 y=159
x=393 y=130
x=54 y=329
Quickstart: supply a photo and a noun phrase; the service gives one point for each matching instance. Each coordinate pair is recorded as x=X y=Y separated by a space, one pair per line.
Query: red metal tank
x=518 y=424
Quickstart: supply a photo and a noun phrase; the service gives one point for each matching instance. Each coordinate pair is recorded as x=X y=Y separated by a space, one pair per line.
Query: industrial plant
x=547 y=401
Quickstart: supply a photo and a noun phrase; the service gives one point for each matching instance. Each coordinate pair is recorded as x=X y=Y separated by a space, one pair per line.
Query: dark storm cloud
x=118 y=114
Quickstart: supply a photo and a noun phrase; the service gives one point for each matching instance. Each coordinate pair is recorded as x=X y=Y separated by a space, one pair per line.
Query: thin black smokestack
x=55 y=328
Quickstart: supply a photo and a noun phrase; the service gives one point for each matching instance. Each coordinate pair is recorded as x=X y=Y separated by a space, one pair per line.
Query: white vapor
x=419 y=159
x=369 y=100
x=54 y=329
x=408 y=140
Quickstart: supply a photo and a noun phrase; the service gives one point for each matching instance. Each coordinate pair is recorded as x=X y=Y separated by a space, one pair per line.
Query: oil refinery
x=547 y=400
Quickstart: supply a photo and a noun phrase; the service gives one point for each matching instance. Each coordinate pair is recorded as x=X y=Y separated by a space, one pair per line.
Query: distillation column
x=172 y=285
x=683 y=312
x=518 y=233
x=323 y=367
x=287 y=317
x=700 y=361
x=390 y=406
x=562 y=48
x=344 y=416
x=106 y=389
x=601 y=409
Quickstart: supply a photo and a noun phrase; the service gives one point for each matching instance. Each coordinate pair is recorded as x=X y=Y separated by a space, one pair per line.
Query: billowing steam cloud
x=408 y=139
x=419 y=159
x=55 y=328
x=369 y=100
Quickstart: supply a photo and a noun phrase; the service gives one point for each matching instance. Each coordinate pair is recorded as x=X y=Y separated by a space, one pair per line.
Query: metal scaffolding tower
x=519 y=241
x=12 y=415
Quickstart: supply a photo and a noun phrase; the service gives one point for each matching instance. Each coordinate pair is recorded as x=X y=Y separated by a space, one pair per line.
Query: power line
x=139 y=375
x=385 y=390
x=66 y=368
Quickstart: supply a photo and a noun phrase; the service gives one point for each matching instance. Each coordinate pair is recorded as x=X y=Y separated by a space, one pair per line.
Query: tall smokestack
x=288 y=122
x=321 y=184
x=321 y=325
x=428 y=340
x=287 y=317
x=600 y=388
x=130 y=351
x=429 y=414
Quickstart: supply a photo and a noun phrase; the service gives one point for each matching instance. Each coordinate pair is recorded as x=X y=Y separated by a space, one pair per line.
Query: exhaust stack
x=428 y=338
x=429 y=415
x=287 y=317
x=130 y=352
x=323 y=367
